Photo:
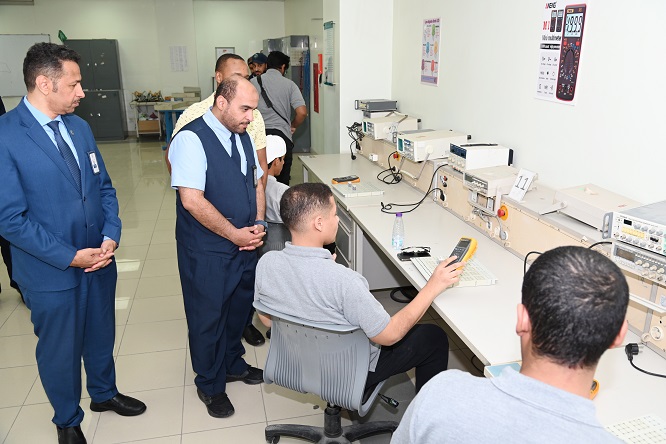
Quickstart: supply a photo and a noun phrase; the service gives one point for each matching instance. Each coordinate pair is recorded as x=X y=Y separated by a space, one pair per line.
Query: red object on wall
x=320 y=58
x=315 y=76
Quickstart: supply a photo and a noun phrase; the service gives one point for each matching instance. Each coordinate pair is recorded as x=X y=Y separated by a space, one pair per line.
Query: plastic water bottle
x=398 y=238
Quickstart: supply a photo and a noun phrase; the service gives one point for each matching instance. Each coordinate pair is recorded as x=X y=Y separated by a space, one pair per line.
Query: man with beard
x=219 y=225
x=59 y=212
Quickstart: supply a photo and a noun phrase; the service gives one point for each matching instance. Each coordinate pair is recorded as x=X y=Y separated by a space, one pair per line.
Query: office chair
x=328 y=360
x=277 y=234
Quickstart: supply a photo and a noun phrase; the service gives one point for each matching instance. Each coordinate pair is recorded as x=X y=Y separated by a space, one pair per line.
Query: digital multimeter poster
x=430 y=51
x=560 y=45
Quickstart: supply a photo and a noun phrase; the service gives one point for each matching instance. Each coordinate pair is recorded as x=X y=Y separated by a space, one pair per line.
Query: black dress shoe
x=218 y=406
x=71 y=435
x=253 y=336
x=251 y=376
x=121 y=404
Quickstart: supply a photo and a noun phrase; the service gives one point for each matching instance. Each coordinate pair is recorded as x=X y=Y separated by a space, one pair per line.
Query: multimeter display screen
x=574 y=25
x=463 y=243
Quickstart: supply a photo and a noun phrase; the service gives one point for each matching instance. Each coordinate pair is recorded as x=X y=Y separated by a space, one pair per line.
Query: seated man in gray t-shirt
x=574 y=301
x=303 y=280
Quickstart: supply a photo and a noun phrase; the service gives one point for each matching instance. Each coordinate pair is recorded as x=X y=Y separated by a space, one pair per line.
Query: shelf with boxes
x=148 y=110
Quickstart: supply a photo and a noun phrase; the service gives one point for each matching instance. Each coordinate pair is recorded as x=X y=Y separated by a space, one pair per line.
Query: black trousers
x=425 y=347
x=285 y=175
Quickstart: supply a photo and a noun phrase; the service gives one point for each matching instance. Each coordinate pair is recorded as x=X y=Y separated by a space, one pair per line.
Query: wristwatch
x=262 y=222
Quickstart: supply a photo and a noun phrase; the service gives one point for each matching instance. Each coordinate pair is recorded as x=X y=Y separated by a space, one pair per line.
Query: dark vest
x=227 y=189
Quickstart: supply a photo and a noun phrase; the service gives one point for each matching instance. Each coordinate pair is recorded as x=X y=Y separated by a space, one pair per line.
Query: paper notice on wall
x=329 y=51
x=178 y=56
x=560 y=43
x=430 y=51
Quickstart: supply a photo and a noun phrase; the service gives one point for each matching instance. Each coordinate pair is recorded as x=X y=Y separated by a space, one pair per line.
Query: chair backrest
x=277 y=235
x=328 y=360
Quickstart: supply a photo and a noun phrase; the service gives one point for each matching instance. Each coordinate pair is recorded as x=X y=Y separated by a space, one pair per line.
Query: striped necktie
x=66 y=153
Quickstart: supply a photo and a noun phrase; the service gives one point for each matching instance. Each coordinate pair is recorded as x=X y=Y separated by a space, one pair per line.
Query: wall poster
x=560 y=45
x=329 y=66
x=430 y=51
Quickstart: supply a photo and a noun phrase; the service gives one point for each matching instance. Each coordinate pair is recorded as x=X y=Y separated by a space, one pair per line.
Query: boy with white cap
x=275 y=152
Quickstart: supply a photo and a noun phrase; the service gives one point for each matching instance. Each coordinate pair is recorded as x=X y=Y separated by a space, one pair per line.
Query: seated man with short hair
x=574 y=302
x=303 y=280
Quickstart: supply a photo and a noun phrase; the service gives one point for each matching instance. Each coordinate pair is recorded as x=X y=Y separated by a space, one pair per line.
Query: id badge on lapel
x=93 y=162
x=254 y=175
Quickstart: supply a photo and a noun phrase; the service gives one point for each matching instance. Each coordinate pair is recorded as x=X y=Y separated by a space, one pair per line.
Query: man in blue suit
x=59 y=211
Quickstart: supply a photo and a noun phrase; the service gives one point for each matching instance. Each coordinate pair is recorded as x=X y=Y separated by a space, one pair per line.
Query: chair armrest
x=335 y=328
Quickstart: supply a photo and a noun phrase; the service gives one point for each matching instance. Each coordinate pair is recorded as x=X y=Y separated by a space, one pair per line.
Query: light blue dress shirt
x=188 y=158
x=43 y=119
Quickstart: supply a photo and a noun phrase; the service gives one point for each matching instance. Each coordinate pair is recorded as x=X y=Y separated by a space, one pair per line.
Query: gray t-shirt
x=456 y=407
x=306 y=282
x=284 y=95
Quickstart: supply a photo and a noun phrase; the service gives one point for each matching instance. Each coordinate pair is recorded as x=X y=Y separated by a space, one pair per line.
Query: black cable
x=599 y=243
x=396 y=176
x=389 y=206
x=631 y=350
x=525 y=261
x=471 y=360
x=354 y=131
x=405 y=298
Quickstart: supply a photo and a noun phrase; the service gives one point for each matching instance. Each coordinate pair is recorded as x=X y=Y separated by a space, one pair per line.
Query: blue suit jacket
x=42 y=214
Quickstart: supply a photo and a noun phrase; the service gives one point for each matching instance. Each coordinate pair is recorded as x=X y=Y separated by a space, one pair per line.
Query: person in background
x=250 y=65
x=287 y=282
x=219 y=224
x=275 y=152
x=283 y=95
x=574 y=302
x=259 y=60
x=4 y=244
x=59 y=212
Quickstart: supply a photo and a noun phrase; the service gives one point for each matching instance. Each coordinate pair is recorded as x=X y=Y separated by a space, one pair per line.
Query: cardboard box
x=148 y=126
x=190 y=89
x=185 y=94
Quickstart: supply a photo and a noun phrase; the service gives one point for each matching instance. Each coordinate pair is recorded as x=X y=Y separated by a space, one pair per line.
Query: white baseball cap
x=275 y=147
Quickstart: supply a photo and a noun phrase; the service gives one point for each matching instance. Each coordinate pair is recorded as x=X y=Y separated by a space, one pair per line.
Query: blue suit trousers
x=218 y=291
x=70 y=325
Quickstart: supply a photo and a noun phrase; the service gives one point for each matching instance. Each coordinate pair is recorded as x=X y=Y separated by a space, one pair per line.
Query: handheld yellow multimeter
x=464 y=250
x=594 y=389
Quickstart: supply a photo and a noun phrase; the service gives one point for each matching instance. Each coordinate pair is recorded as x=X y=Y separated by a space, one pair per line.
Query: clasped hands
x=92 y=259
x=249 y=238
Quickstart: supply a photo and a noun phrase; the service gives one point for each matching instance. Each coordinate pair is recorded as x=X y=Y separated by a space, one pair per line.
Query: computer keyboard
x=647 y=429
x=475 y=273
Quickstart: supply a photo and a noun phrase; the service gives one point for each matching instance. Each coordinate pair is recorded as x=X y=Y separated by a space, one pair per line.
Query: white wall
x=363 y=57
x=146 y=29
x=330 y=95
x=131 y=22
x=613 y=136
x=241 y=24
x=305 y=17
x=366 y=57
